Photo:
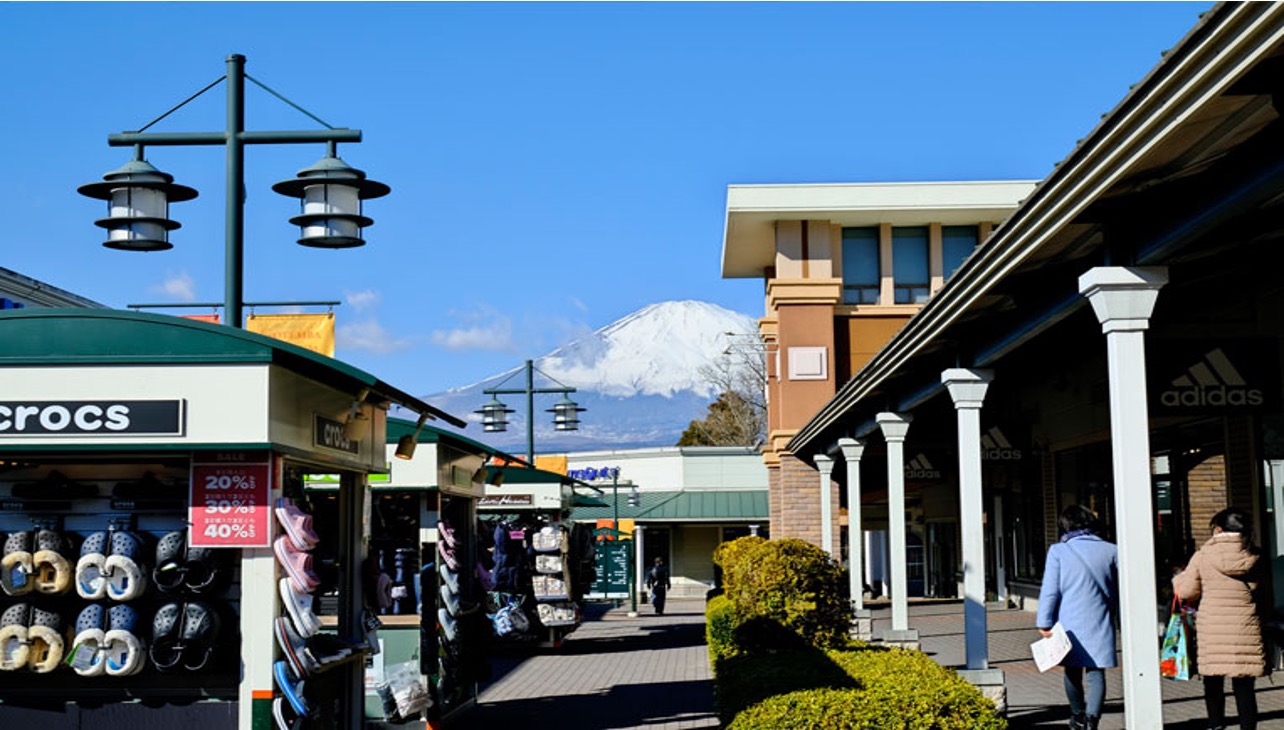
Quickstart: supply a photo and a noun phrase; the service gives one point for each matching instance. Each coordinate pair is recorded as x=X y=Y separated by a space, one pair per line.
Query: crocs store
x=161 y=563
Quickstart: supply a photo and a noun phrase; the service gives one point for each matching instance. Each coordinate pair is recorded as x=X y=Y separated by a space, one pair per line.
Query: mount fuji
x=638 y=380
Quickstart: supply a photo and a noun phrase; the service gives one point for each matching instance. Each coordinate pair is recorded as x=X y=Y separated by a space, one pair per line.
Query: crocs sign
x=100 y=417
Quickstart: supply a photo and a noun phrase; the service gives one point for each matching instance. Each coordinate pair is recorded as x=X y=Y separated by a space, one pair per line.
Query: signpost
x=614 y=568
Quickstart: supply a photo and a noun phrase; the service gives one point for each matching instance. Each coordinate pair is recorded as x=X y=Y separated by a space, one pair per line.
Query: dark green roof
x=710 y=505
x=429 y=434
x=115 y=337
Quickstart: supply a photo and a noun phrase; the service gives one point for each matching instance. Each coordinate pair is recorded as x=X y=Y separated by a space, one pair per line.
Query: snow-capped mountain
x=638 y=378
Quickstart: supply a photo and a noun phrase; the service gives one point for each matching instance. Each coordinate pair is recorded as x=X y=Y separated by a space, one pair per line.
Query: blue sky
x=554 y=166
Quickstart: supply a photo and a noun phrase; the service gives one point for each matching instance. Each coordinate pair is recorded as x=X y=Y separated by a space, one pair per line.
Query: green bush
x=791 y=582
x=719 y=630
x=864 y=688
x=729 y=553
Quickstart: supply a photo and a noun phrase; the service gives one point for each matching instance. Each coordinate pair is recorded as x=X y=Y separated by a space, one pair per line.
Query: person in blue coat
x=1081 y=590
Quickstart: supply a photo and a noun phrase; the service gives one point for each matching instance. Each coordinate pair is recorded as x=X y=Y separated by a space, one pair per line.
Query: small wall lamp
x=406 y=444
x=358 y=422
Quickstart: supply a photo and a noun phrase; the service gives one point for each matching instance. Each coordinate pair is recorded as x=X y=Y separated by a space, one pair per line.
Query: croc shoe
x=123 y=568
x=199 y=635
x=206 y=569
x=90 y=638
x=291 y=686
x=166 y=648
x=284 y=717
x=447 y=555
x=294 y=648
x=446 y=533
x=448 y=577
x=449 y=600
x=449 y=627
x=53 y=570
x=17 y=565
x=47 y=643
x=122 y=649
x=297 y=524
x=178 y=567
x=299 y=607
x=15 y=646
x=297 y=565
x=90 y=581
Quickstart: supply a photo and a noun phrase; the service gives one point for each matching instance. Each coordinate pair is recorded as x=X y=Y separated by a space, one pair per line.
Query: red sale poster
x=230 y=505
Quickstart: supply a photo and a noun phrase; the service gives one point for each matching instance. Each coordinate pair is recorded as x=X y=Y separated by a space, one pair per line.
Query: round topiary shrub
x=792 y=583
x=720 y=630
x=729 y=553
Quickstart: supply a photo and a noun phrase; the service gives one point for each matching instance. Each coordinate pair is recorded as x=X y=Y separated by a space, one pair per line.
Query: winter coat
x=1083 y=594
x=1222 y=576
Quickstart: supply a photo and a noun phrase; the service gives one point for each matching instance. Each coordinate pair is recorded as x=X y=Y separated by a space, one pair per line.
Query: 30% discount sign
x=230 y=505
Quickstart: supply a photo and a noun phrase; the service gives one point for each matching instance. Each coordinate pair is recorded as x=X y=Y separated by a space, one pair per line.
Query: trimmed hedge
x=791 y=583
x=782 y=658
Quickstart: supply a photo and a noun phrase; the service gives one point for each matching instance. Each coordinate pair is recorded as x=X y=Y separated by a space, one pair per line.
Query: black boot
x=1091 y=722
x=1077 y=722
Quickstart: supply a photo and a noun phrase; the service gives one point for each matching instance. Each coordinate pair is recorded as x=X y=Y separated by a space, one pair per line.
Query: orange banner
x=211 y=318
x=310 y=331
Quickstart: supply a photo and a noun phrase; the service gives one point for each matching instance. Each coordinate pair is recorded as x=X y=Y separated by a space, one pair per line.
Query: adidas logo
x=920 y=468
x=1213 y=381
x=996 y=447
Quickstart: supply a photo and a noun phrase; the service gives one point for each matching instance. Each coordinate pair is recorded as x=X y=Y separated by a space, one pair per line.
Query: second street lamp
x=138 y=194
x=565 y=412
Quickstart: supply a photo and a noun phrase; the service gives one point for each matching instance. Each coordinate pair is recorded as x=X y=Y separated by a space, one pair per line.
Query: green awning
x=712 y=505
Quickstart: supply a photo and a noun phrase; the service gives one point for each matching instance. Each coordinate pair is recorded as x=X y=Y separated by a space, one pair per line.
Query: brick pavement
x=652 y=672
x=612 y=673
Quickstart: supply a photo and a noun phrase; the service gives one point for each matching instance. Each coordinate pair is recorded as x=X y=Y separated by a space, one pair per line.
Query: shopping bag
x=1175 y=656
x=1048 y=652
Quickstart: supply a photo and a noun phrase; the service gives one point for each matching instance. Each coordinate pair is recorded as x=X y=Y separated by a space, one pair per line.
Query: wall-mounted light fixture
x=406 y=444
x=358 y=423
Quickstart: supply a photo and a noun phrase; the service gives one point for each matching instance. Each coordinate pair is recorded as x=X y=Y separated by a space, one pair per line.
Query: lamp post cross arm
x=174 y=139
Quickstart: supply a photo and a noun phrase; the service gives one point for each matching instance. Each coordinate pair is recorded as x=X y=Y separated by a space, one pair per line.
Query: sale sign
x=230 y=505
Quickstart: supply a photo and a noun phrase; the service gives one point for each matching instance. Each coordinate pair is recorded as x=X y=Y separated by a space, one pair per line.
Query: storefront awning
x=720 y=505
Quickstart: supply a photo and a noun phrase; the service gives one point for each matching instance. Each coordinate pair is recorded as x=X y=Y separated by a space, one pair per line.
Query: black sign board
x=1202 y=376
x=91 y=418
x=330 y=434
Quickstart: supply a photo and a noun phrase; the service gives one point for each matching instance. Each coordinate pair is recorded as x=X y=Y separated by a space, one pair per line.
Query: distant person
x=657 y=581
x=1223 y=576
x=1081 y=590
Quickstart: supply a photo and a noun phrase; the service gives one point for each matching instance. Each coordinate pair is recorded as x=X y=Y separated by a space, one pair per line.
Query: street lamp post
x=565 y=411
x=138 y=194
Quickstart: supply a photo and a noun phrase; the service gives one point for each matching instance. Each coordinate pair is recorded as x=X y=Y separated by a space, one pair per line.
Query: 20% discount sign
x=230 y=505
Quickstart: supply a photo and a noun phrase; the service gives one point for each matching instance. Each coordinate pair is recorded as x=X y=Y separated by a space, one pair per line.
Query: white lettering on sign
x=32 y=418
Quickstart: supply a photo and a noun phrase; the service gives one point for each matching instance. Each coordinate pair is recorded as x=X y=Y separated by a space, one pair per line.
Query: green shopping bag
x=1176 y=657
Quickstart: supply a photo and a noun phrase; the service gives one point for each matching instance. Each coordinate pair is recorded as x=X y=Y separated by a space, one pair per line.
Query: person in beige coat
x=1223 y=577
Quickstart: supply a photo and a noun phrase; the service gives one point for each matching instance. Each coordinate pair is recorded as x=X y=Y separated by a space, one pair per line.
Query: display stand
x=156 y=448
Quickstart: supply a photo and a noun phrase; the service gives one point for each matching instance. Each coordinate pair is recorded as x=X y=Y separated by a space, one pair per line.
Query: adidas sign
x=996 y=447
x=920 y=468
x=1212 y=382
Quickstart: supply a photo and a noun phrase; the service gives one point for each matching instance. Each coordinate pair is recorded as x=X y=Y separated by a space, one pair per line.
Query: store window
x=860 y=266
x=957 y=243
x=910 y=276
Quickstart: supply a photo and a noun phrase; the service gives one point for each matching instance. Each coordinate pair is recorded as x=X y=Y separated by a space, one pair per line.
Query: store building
x=1116 y=342
x=18 y=292
x=141 y=460
x=688 y=500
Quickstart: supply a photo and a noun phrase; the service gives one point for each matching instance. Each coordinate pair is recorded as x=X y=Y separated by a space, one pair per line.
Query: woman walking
x=1081 y=590
x=1223 y=577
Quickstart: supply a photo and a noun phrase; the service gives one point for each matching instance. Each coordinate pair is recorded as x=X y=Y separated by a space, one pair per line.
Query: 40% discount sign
x=230 y=505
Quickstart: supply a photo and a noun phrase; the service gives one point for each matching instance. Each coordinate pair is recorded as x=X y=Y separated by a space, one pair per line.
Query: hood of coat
x=1225 y=552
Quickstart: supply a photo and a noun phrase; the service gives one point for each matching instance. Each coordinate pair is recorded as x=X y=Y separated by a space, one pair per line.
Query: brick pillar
x=1206 y=489
x=773 y=500
x=799 y=502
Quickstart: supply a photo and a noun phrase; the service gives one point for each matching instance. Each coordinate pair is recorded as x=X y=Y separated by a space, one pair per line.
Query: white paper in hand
x=1049 y=651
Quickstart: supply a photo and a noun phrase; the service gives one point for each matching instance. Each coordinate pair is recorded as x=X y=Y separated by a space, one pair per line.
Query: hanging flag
x=310 y=331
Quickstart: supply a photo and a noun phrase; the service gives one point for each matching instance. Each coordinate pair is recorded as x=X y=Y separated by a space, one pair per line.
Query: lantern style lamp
x=566 y=415
x=138 y=197
x=407 y=443
x=494 y=416
x=331 y=192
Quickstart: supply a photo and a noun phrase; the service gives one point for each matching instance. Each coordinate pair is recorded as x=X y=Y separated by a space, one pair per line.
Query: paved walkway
x=613 y=672
x=652 y=673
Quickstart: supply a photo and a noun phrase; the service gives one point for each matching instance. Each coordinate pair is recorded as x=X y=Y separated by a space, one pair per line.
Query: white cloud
x=370 y=336
x=575 y=302
x=178 y=286
x=484 y=328
x=363 y=300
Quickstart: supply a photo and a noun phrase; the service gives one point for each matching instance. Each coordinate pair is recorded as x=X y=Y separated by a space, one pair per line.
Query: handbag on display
x=1176 y=658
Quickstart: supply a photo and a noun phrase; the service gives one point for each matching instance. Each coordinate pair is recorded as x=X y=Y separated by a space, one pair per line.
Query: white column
x=895 y=426
x=1000 y=567
x=1123 y=299
x=967 y=388
x=852 y=451
x=639 y=566
x=258 y=608
x=825 y=465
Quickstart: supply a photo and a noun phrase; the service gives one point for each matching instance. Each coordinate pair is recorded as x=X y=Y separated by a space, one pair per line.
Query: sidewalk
x=1038 y=700
x=614 y=672
x=652 y=672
